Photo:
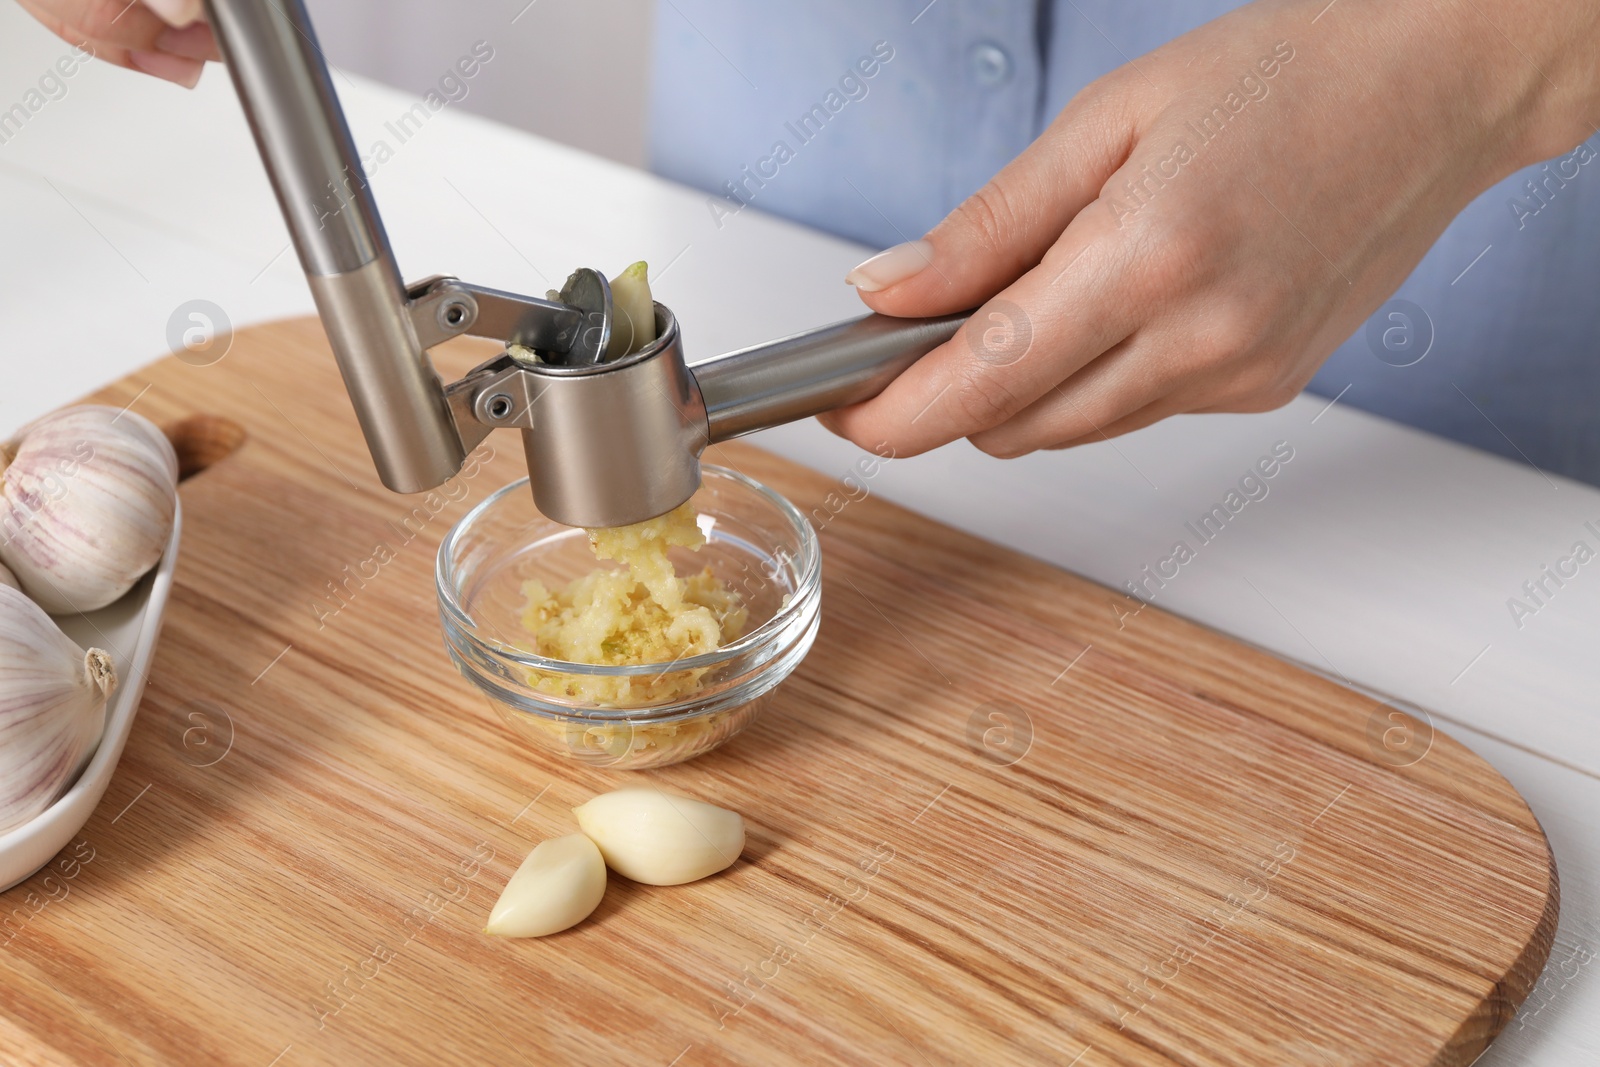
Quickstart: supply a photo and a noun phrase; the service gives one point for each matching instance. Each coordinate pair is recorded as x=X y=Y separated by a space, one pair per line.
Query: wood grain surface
x=989 y=820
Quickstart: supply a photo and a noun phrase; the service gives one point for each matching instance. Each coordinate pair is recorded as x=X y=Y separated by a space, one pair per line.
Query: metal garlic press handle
x=797 y=377
x=283 y=84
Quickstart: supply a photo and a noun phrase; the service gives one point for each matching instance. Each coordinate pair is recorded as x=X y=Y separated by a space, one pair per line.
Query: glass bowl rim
x=809 y=581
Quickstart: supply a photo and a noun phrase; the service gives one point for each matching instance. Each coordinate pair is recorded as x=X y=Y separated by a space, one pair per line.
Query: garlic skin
x=9 y=579
x=52 y=708
x=87 y=497
x=557 y=886
x=661 y=838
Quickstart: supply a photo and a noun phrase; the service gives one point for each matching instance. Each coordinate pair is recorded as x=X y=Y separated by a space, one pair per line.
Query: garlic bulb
x=660 y=838
x=557 y=886
x=7 y=578
x=87 y=497
x=52 y=708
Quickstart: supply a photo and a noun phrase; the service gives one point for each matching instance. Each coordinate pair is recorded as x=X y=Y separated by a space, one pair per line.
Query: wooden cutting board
x=989 y=821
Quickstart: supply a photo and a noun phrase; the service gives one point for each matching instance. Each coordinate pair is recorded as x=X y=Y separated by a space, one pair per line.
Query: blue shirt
x=873 y=119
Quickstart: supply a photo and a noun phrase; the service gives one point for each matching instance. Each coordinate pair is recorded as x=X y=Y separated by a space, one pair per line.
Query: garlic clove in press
x=52 y=708
x=557 y=886
x=633 y=322
x=661 y=838
x=87 y=498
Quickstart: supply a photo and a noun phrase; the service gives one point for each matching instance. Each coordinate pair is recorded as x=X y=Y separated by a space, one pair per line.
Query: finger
x=124 y=29
x=176 y=12
x=109 y=53
x=1148 y=415
x=1184 y=400
x=1127 y=389
x=1122 y=380
x=184 y=72
x=1053 y=321
x=194 y=41
x=1005 y=228
x=180 y=70
x=123 y=23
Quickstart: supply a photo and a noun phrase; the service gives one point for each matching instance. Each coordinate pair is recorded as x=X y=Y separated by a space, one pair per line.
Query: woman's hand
x=1198 y=230
x=161 y=37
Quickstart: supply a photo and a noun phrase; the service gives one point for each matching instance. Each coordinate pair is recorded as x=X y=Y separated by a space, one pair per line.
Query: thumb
x=1004 y=229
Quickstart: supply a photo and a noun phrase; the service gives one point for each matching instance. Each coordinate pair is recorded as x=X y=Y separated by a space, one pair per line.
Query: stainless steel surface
x=443 y=307
x=618 y=443
x=491 y=396
x=284 y=88
x=398 y=398
x=588 y=291
x=502 y=393
x=809 y=373
x=525 y=320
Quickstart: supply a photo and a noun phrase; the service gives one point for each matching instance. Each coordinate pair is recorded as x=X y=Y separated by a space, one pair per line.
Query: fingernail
x=175 y=12
x=193 y=41
x=891 y=266
x=177 y=69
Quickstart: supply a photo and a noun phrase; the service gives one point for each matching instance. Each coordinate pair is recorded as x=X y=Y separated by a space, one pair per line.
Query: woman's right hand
x=165 y=38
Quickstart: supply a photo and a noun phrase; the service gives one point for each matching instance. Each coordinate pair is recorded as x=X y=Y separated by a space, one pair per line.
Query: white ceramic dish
x=128 y=630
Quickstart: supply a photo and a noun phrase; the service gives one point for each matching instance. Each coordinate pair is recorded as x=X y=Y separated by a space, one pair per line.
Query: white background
x=574 y=71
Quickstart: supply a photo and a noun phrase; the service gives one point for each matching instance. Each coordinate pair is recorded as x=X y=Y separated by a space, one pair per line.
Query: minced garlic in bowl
x=641 y=612
x=638 y=646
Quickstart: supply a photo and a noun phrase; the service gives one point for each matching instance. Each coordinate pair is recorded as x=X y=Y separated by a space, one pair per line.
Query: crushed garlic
x=642 y=612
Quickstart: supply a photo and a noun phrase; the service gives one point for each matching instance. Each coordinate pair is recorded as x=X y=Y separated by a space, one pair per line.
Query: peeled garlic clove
x=87 y=497
x=633 y=312
x=52 y=708
x=660 y=838
x=557 y=886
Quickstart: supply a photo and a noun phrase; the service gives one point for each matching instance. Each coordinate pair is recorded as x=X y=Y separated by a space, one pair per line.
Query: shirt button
x=991 y=66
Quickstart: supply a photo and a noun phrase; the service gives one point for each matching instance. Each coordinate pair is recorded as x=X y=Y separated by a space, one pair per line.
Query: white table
x=1381 y=554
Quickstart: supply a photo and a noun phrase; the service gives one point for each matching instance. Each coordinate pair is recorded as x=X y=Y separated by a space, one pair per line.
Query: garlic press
x=607 y=442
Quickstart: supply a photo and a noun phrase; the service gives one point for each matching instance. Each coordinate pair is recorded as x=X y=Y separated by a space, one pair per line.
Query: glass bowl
x=757 y=542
